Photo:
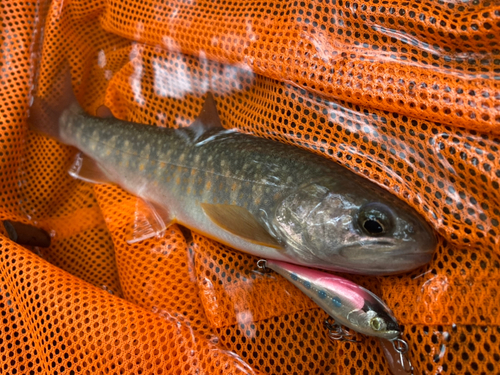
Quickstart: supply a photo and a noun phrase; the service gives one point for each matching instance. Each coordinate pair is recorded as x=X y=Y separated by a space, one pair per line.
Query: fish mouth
x=362 y=249
x=384 y=257
x=384 y=248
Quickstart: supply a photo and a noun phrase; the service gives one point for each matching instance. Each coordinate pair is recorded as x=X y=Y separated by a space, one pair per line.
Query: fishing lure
x=347 y=303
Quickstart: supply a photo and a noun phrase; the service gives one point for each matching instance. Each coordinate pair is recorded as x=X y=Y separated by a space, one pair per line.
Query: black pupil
x=373 y=227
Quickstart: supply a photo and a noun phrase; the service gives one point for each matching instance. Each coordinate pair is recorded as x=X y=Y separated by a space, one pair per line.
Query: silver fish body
x=347 y=303
x=256 y=195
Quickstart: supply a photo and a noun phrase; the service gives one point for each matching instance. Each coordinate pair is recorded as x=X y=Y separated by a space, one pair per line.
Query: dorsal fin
x=207 y=119
x=103 y=112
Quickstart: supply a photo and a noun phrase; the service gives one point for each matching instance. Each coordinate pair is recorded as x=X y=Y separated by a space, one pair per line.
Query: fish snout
x=388 y=256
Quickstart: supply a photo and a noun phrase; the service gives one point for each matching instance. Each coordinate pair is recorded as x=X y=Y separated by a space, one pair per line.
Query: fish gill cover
x=404 y=93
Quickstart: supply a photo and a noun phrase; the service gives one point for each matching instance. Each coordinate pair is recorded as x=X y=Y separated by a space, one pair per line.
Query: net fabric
x=391 y=115
x=429 y=60
x=71 y=326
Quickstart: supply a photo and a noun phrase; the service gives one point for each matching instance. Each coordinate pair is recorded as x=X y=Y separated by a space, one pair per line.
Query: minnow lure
x=256 y=195
x=347 y=303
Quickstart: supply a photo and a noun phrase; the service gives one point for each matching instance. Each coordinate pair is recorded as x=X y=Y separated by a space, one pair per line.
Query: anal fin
x=240 y=222
x=86 y=169
x=149 y=221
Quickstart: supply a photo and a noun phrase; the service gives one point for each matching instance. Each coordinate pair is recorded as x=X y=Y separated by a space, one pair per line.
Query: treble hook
x=337 y=332
x=262 y=265
x=401 y=347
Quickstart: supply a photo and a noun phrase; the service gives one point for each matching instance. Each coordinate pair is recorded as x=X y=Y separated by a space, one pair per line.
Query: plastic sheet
x=405 y=94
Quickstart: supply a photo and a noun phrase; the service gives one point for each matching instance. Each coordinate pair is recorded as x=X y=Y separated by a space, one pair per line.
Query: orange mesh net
x=404 y=93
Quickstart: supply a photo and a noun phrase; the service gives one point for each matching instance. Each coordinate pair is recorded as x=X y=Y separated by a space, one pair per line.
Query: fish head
x=353 y=229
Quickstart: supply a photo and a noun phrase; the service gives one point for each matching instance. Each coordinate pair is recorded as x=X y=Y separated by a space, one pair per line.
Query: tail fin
x=47 y=109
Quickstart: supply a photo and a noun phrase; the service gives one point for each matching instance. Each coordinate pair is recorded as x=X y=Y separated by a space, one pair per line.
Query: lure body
x=346 y=302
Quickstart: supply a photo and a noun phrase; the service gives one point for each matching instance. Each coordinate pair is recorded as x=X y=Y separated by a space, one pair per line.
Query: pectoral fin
x=238 y=221
x=86 y=169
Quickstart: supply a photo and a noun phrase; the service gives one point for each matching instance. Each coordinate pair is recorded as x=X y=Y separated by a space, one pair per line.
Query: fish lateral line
x=173 y=164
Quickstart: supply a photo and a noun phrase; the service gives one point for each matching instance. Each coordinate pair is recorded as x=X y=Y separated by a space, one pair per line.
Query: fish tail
x=48 y=112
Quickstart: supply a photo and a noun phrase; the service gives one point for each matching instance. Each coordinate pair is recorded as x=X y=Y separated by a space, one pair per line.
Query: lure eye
x=377 y=324
x=375 y=219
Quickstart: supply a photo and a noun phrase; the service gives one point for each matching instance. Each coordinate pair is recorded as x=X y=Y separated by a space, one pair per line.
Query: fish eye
x=377 y=324
x=375 y=219
x=373 y=226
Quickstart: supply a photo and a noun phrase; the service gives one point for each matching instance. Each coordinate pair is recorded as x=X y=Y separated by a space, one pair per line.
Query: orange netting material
x=405 y=93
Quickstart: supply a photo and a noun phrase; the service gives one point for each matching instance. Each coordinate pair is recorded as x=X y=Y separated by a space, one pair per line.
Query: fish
x=263 y=197
x=347 y=303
